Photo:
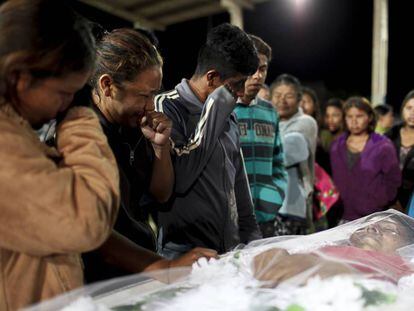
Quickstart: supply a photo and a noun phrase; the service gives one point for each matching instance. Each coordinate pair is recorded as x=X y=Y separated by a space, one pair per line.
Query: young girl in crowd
x=333 y=127
x=56 y=203
x=310 y=103
x=402 y=136
x=333 y=120
x=325 y=194
x=364 y=164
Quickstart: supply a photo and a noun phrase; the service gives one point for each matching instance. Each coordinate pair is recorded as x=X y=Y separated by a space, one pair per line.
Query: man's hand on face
x=156 y=127
x=236 y=86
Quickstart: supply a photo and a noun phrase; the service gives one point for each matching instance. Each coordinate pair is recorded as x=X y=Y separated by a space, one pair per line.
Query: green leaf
x=295 y=307
x=376 y=297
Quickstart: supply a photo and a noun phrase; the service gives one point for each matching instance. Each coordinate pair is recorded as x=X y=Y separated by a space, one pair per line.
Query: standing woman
x=364 y=164
x=402 y=136
x=55 y=203
x=128 y=74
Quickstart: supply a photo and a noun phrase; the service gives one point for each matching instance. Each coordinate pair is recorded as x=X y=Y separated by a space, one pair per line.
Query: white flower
x=335 y=294
x=84 y=304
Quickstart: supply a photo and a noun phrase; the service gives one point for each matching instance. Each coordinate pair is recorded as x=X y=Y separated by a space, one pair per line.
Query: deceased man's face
x=385 y=235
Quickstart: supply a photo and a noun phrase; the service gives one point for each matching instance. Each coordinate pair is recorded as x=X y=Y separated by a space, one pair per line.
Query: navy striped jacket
x=212 y=205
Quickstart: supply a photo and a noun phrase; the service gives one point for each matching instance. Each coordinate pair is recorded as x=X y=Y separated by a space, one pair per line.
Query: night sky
x=326 y=44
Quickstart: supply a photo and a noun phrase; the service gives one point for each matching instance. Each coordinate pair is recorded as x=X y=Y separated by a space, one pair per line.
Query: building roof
x=159 y=14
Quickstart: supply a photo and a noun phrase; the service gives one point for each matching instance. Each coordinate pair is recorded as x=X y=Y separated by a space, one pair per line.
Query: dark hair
x=407 y=98
x=287 y=79
x=312 y=94
x=382 y=110
x=123 y=54
x=44 y=38
x=229 y=51
x=150 y=35
x=334 y=102
x=338 y=104
x=363 y=104
x=262 y=47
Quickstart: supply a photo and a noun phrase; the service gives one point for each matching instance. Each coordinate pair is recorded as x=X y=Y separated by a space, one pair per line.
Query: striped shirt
x=263 y=156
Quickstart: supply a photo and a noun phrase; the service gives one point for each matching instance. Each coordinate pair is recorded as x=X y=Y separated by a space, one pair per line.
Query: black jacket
x=407 y=186
x=134 y=155
x=212 y=205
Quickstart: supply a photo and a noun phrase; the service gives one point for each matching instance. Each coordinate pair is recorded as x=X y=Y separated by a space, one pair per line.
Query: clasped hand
x=156 y=127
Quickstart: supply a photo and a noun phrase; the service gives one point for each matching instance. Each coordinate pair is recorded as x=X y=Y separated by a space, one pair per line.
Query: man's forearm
x=125 y=254
x=162 y=180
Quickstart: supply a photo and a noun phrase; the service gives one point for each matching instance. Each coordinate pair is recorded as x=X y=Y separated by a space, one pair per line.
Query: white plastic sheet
x=366 y=264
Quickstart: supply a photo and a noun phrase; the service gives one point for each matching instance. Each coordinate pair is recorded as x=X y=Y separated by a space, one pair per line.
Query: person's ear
x=213 y=78
x=106 y=85
x=24 y=80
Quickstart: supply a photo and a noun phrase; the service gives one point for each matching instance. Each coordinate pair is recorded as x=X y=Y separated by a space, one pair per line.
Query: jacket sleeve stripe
x=199 y=133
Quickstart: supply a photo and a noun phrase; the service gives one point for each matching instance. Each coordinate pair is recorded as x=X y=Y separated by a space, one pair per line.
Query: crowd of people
x=101 y=166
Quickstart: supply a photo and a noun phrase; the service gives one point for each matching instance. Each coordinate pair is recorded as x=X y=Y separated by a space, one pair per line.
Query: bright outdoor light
x=299 y=6
x=299 y=3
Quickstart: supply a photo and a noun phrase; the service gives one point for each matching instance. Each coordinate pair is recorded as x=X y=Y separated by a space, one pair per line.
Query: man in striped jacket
x=211 y=205
x=261 y=145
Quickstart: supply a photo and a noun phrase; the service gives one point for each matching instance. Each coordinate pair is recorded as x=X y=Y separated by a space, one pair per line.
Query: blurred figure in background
x=402 y=136
x=410 y=207
x=299 y=134
x=333 y=123
x=310 y=103
x=261 y=145
x=385 y=118
x=264 y=92
x=332 y=127
x=325 y=194
x=365 y=166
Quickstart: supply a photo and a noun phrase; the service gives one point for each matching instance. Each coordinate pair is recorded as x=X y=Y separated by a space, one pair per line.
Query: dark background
x=327 y=44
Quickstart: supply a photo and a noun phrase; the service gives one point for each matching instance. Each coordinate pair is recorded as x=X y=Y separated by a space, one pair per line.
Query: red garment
x=390 y=267
x=325 y=192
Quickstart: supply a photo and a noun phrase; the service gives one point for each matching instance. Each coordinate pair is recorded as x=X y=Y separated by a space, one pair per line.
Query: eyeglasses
x=388 y=227
x=384 y=226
